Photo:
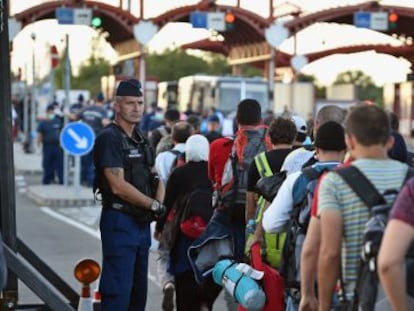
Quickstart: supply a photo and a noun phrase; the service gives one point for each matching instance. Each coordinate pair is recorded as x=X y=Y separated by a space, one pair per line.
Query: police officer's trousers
x=125 y=247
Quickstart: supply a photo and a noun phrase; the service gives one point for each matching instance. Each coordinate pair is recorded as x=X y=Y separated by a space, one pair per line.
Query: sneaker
x=168 y=299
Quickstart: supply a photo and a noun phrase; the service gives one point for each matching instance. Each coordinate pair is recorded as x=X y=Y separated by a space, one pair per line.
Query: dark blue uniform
x=125 y=229
x=93 y=116
x=52 y=161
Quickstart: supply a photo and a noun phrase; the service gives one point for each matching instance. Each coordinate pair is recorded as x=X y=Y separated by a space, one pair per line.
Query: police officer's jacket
x=114 y=148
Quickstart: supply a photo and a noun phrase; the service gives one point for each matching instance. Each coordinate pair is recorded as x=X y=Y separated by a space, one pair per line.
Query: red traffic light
x=393 y=17
x=229 y=18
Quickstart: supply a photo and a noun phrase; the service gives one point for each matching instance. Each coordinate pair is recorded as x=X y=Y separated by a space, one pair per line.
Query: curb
x=60 y=196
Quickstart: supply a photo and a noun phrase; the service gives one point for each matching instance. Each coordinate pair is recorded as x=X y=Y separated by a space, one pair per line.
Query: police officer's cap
x=131 y=87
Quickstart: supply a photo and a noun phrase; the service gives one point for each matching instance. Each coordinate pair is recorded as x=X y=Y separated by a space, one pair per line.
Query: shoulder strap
x=311 y=173
x=175 y=152
x=361 y=185
x=262 y=165
x=162 y=130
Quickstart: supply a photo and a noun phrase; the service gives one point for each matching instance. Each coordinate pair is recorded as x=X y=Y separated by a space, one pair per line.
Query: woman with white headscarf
x=189 y=183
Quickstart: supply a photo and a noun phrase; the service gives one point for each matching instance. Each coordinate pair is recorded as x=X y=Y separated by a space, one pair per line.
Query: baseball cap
x=131 y=87
x=300 y=124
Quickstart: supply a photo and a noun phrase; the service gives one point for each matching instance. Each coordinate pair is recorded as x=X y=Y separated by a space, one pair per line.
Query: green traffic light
x=96 y=22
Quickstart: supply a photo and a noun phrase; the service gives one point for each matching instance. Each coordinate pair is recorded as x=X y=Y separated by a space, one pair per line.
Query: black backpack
x=232 y=195
x=297 y=228
x=367 y=295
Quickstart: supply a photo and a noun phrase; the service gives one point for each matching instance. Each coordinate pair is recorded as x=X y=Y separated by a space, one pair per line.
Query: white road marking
x=94 y=233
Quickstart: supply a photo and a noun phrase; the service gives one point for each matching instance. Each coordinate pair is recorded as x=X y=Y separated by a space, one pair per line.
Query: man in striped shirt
x=342 y=213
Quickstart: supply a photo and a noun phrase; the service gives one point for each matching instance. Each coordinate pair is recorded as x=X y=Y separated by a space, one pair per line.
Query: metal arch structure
x=117 y=22
x=250 y=26
x=344 y=15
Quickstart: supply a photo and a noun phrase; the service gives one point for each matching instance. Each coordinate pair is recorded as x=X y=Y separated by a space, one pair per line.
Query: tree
x=319 y=89
x=367 y=90
x=174 y=64
x=90 y=71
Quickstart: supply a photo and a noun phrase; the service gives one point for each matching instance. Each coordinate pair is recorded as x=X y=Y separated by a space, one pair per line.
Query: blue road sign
x=362 y=19
x=64 y=16
x=198 y=19
x=77 y=138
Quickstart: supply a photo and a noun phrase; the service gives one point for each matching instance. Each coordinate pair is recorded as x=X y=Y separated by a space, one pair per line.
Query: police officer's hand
x=158 y=209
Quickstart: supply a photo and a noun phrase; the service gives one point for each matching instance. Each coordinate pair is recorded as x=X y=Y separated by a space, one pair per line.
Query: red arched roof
x=250 y=26
x=118 y=23
x=345 y=15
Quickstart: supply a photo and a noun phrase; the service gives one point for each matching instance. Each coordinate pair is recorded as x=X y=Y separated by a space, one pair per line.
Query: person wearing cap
x=96 y=116
x=48 y=134
x=330 y=148
x=301 y=156
x=131 y=199
x=213 y=128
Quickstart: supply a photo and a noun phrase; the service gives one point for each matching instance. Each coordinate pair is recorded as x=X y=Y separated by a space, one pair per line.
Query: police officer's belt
x=124 y=208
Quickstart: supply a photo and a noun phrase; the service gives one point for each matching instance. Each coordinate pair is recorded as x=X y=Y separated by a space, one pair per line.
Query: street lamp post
x=31 y=130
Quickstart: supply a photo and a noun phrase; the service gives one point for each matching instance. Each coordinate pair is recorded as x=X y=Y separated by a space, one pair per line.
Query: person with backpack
x=344 y=212
x=290 y=210
x=282 y=133
x=229 y=163
x=397 y=252
x=171 y=116
x=188 y=202
x=165 y=163
x=167 y=160
x=302 y=157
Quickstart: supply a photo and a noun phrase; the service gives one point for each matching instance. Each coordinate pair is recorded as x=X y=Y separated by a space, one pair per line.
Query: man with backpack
x=167 y=160
x=301 y=157
x=290 y=210
x=282 y=133
x=344 y=211
x=171 y=116
x=229 y=162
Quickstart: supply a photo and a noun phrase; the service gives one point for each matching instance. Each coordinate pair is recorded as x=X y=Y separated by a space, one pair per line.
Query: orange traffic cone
x=86 y=272
x=85 y=299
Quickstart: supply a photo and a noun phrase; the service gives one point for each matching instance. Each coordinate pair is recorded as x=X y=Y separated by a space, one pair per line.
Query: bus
x=167 y=94
x=201 y=92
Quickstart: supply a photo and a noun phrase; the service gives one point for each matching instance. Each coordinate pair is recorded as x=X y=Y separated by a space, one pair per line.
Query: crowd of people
x=149 y=165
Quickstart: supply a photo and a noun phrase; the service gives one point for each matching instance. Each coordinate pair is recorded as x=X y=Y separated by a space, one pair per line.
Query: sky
x=314 y=38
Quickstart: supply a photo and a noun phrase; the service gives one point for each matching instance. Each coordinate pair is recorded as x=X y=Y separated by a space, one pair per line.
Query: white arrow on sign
x=276 y=33
x=144 y=31
x=81 y=142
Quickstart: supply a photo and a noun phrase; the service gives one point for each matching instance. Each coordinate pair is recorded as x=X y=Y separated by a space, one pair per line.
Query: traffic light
x=229 y=18
x=392 y=21
x=96 y=22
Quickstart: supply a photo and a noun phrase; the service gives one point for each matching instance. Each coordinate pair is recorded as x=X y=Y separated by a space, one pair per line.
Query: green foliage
x=320 y=90
x=90 y=71
x=367 y=90
x=174 y=64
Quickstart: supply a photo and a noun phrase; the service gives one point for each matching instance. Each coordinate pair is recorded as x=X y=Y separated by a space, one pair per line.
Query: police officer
x=97 y=117
x=123 y=160
x=48 y=133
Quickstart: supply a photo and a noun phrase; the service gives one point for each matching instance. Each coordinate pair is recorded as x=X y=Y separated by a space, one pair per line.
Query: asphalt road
x=63 y=236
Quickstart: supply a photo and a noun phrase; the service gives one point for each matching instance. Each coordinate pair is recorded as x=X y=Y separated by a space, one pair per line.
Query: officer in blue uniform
x=48 y=133
x=123 y=160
